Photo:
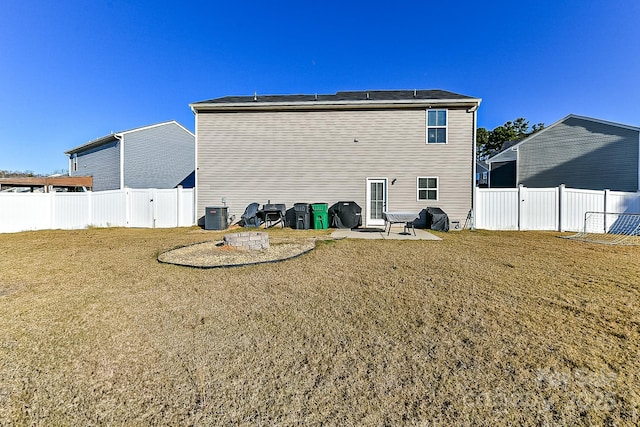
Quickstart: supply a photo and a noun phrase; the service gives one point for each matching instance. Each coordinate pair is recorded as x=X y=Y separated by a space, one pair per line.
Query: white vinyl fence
x=553 y=209
x=144 y=208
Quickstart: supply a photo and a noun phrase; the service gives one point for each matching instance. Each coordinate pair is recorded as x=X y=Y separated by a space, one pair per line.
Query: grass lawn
x=482 y=328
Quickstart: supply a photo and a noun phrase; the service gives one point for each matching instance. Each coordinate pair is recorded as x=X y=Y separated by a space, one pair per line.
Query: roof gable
x=117 y=135
x=503 y=154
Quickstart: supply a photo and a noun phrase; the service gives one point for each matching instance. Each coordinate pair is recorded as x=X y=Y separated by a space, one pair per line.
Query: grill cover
x=345 y=215
x=437 y=219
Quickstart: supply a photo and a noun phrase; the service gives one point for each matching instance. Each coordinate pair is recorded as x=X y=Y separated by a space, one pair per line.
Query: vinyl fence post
x=607 y=198
x=179 y=197
x=89 y=208
x=52 y=210
x=560 y=207
x=521 y=191
x=127 y=207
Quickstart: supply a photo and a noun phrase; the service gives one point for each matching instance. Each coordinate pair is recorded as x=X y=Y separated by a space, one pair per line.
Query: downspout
x=121 y=139
x=474 y=110
x=195 y=175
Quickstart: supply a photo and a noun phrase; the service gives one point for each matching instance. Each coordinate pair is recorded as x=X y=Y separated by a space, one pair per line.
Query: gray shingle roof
x=372 y=95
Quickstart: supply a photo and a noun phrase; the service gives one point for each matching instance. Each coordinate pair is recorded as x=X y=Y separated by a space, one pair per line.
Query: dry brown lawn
x=482 y=328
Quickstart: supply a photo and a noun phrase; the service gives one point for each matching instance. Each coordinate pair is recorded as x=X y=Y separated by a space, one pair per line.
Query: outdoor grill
x=345 y=215
x=272 y=213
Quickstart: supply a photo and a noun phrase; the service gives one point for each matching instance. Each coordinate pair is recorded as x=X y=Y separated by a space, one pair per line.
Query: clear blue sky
x=72 y=71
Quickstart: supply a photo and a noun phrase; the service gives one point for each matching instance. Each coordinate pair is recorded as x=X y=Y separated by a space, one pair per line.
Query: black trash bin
x=215 y=218
x=302 y=219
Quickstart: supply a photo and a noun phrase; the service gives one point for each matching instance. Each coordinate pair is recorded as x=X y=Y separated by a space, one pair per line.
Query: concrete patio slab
x=395 y=234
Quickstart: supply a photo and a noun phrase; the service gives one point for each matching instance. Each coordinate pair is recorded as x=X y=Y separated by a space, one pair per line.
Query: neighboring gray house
x=579 y=152
x=155 y=156
x=482 y=174
x=385 y=150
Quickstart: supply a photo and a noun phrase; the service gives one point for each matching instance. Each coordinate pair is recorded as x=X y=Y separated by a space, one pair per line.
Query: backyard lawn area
x=481 y=328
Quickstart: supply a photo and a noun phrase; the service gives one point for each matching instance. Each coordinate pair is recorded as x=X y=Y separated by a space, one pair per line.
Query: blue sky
x=72 y=71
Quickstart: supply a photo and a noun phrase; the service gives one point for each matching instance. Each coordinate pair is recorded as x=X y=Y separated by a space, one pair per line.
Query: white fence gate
x=145 y=208
x=553 y=209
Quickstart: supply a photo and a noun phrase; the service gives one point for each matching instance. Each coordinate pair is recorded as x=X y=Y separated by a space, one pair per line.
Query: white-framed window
x=74 y=163
x=436 y=126
x=427 y=188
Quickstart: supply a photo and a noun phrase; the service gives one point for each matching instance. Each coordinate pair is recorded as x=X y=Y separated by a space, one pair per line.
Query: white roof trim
x=117 y=135
x=332 y=104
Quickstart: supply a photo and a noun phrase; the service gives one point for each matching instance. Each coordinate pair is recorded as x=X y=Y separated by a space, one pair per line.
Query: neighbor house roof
x=372 y=98
x=508 y=147
x=116 y=136
x=46 y=181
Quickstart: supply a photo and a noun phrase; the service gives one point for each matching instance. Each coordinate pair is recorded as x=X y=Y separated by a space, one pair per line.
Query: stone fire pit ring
x=249 y=240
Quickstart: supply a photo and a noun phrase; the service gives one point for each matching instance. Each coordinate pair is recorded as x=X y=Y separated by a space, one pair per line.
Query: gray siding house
x=386 y=150
x=155 y=156
x=577 y=151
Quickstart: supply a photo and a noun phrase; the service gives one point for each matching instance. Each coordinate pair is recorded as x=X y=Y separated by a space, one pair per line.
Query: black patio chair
x=250 y=217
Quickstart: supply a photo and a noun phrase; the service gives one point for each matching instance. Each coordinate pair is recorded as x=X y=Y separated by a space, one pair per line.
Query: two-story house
x=401 y=150
x=156 y=156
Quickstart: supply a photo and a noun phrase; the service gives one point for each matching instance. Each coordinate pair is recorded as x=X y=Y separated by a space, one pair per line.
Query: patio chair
x=250 y=217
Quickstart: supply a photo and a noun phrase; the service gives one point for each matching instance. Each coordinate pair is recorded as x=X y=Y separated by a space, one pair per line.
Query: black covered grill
x=437 y=219
x=345 y=215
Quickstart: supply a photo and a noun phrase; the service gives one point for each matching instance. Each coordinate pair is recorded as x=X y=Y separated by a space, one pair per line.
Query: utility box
x=216 y=218
x=302 y=219
x=320 y=216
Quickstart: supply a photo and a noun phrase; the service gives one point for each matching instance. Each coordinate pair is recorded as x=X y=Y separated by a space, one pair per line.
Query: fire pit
x=250 y=240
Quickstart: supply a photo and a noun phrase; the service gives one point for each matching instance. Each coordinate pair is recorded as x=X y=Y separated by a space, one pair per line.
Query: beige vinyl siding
x=311 y=156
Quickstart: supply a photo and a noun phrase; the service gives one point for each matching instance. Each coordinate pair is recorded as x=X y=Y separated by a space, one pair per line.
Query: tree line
x=490 y=142
x=29 y=173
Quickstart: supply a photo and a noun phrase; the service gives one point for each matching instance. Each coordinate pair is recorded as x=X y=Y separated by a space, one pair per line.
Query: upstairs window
x=427 y=188
x=74 y=163
x=436 y=126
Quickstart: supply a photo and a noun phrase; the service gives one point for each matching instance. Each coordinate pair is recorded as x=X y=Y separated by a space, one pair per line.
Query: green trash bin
x=320 y=216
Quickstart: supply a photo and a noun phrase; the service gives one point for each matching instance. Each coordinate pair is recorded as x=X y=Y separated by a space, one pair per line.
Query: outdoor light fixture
x=393 y=181
x=355 y=139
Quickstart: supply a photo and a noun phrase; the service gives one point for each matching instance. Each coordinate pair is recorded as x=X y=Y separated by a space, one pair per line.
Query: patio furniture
x=406 y=218
x=250 y=216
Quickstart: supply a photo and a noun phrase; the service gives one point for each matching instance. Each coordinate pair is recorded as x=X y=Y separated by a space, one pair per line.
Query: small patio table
x=406 y=218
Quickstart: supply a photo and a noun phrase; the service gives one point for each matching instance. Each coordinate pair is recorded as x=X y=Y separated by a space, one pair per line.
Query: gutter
x=472 y=103
x=120 y=138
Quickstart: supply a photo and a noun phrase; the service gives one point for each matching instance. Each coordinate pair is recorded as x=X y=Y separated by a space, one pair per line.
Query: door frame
x=372 y=222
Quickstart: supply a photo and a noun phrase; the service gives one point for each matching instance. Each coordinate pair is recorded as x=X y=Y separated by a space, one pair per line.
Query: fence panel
x=109 y=208
x=117 y=208
x=546 y=208
x=70 y=210
x=165 y=208
x=497 y=209
x=186 y=214
x=24 y=211
x=539 y=209
x=140 y=208
x=621 y=202
x=575 y=203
